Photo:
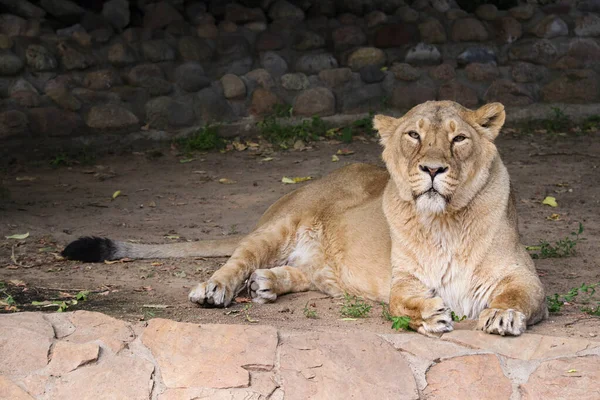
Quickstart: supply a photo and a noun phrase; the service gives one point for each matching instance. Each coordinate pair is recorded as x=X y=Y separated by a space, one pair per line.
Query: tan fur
x=386 y=236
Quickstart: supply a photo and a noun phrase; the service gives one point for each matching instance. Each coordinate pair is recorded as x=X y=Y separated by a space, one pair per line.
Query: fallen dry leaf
x=226 y=181
x=120 y=261
x=116 y=194
x=26 y=178
x=345 y=152
x=17 y=282
x=18 y=236
x=294 y=180
x=550 y=201
x=238 y=145
x=335 y=158
x=554 y=217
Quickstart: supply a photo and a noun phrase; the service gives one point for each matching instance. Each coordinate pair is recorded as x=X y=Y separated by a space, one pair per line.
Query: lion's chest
x=446 y=268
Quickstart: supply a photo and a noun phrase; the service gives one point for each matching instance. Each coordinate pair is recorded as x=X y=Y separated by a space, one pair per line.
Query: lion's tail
x=96 y=249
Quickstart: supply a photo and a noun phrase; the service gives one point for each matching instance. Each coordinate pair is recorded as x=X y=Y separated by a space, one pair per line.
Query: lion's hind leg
x=265 y=285
x=258 y=250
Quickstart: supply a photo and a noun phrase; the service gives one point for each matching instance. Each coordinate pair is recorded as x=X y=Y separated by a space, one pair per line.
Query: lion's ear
x=490 y=119
x=386 y=126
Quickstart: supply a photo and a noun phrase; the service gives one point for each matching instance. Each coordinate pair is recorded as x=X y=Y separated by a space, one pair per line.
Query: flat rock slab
x=25 y=340
x=67 y=357
x=89 y=355
x=9 y=390
x=209 y=356
x=524 y=347
x=117 y=377
x=468 y=377
x=344 y=366
x=566 y=378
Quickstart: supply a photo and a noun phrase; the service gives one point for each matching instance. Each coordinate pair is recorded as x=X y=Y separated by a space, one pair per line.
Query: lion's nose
x=433 y=171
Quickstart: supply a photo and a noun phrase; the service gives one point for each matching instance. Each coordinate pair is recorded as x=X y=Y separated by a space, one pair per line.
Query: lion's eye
x=414 y=135
x=459 y=138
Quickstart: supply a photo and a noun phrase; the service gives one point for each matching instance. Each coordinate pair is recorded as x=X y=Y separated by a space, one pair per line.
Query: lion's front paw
x=261 y=286
x=436 y=318
x=502 y=322
x=212 y=293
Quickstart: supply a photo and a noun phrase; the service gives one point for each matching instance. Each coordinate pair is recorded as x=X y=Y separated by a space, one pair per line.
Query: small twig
x=575 y=321
x=563 y=153
x=14 y=258
x=68 y=290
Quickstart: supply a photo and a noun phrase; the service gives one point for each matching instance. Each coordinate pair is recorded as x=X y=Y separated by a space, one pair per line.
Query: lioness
x=435 y=232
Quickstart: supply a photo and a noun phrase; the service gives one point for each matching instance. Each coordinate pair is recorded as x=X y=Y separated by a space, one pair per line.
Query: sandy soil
x=163 y=199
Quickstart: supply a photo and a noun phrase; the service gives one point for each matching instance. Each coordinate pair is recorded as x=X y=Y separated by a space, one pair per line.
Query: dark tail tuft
x=90 y=249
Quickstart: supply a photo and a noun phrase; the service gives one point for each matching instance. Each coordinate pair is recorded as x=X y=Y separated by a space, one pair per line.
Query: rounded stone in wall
x=477 y=54
x=157 y=51
x=587 y=25
x=10 y=64
x=335 y=77
x=375 y=18
x=239 y=14
x=210 y=106
x=407 y=14
x=443 y=72
x=314 y=63
x=110 y=117
x=283 y=9
x=508 y=29
x=432 y=31
x=260 y=77
x=423 y=54
x=233 y=86
x=508 y=93
x=395 y=35
x=309 y=41
x=482 y=72
x=405 y=72
x=164 y=113
x=263 y=102
x=103 y=79
x=522 y=12
x=6 y=42
x=138 y=74
x=117 y=12
x=159 y=15
x=39 y=58
x=372 y=74
x=268 y=41
x=51 y=121
x=459 y=93
x=273 y=63
x=409 y=95
x=296 y=81
x=195 y=49
x=550 y=27
x=207 y=30
x=576 y=86
x=190 y=77
x=314 y=102
x=348 y=36
x=468 y=30
x=487 y=12
x=121 y=54
x=537 y=51
x=524 y=72
x=13 y=123
x=366 y=56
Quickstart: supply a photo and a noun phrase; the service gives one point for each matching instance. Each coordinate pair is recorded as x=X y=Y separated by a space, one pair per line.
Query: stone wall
x=122 y=65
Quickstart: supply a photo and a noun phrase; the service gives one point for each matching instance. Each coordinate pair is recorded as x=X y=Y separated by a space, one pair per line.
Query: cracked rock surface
x=88 y=355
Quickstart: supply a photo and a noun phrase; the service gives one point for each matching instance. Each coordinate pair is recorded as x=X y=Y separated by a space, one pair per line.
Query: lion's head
x=440 y=153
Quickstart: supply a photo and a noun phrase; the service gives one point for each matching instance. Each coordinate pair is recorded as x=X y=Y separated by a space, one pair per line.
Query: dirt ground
x=163 y=199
